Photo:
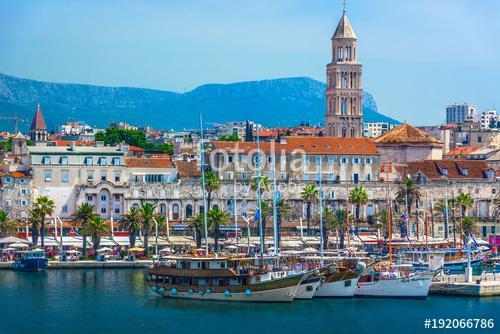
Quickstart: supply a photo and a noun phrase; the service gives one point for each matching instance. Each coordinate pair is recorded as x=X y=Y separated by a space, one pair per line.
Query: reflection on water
x=117 y=301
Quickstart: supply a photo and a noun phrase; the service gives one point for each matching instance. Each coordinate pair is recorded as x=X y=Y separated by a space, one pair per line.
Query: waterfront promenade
x=83 y=264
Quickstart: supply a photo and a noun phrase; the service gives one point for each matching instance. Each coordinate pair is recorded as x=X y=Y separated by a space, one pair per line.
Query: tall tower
x=38 y=128
x=344 y=114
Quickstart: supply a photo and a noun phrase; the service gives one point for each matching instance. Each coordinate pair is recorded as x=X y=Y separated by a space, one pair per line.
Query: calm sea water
x=117 y=302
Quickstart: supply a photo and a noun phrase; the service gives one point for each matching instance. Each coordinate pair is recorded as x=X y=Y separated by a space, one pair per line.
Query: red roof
x=149 y=162
x=63 y=142
x=38 y=122
x=451 y=169
x=135 y=148
x=188 y=169
x=463 y=150
x=16 y=175
x=317 y=145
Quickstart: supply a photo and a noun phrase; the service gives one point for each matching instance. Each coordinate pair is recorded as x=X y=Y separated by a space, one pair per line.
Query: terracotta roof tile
x=149 y=163
x=188 y=169
x=406 y=134
x=451 y=169
x=311 y=145
x=462 y=150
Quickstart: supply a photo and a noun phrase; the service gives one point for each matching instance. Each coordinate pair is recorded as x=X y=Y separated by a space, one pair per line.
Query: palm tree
x=496 y=208
x=381 y=223
x=339 y=224
x=196 y=226
x=358 y=196
x=146 y=214
x=45 y=207
x=464 y=201
x=34 y=219
x=7 y=225
x=310 y=195
x=83 y=213
x=328 y=224
x=265 y=183
x=132 y=223
x=211 y=184
x=96 y=227
x=469 y=226
x=217 y=218
x=408 y=193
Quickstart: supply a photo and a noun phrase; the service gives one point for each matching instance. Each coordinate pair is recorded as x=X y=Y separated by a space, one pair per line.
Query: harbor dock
x=485 y=285
x=91 y=264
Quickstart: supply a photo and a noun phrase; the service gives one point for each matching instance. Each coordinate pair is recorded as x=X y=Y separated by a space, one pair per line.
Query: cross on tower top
x=344 y=3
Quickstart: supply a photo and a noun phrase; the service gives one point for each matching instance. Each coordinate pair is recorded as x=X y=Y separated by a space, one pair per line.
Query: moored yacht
x=394 y=282
x=223 y=279
x=33 y=260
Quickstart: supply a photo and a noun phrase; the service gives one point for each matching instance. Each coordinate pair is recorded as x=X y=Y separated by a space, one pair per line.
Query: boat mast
x=258 y=196
x=235 y=213
x=275 y=195
x=202 y=159
x=389 y=227
x=347 y=214
x=446 y=230
x=321 y=212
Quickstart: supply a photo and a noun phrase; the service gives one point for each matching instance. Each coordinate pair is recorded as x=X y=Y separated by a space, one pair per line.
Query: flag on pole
x=257 y=215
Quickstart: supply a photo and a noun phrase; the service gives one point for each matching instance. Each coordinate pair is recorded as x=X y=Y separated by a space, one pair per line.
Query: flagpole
x=321 y=211
x=202 y=159
x=235 y=213
x=258 y=196
x=275 y=194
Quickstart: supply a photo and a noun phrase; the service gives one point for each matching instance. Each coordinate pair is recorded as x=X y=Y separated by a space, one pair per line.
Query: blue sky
x=418 y=56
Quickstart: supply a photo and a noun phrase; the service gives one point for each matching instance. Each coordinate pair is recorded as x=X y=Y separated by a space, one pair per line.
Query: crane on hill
x=16 y=119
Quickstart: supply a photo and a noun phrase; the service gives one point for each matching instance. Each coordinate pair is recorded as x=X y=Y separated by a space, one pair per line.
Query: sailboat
x=388 y=280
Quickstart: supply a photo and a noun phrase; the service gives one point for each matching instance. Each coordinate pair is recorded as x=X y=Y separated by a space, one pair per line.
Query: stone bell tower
x=344 y=114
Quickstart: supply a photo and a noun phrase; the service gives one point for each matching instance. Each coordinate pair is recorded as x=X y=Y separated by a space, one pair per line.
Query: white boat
x=307 y=289
x=340 y=282
x=396 y=283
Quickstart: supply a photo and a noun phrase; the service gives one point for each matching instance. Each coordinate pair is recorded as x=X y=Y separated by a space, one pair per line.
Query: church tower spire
x=344 y=114
x=38 y=128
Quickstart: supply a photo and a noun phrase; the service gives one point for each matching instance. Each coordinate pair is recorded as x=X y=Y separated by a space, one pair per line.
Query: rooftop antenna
x=344 y=3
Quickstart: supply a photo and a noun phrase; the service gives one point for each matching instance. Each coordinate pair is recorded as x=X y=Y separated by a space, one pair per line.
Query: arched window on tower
x=348 y=53
x=353 y=132
x=343 y=106
x=339 y=53
x=353 y=106
x=344 y=80
x=344 y=132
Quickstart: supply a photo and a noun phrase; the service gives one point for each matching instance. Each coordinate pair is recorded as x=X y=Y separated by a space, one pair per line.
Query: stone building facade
x=15 y=194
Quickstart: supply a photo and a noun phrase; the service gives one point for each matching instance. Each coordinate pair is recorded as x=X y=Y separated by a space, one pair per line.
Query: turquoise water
x=117 y=302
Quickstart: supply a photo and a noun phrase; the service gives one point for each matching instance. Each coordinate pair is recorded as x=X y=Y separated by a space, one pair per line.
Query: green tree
x=196 y=225
x=217 y=218
x=7 y=225
x=34 y=219
x=45 y=207
x=358 y=196
x=146 y=214
x=469 y=226
x=464 y=201
x=131 y=222
x=211 y=184
x=83 y=214
x=328 y=224
x=339 y=224
x=408 y=193
x=381 y=223
x=96 y=228
x=310 y=195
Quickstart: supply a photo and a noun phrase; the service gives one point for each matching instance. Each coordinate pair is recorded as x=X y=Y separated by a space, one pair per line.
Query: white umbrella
x=11 y=240
x=310 y=250
x=73 y=252
x=104 y=249
x=231 y=247
x=166 y=250
x=18 y=245
x=8 y=249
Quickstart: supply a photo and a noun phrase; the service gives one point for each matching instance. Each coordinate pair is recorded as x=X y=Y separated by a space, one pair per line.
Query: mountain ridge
x=272 y=102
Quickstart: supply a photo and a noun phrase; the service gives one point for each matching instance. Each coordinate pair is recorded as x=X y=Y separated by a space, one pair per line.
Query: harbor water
x=117 y=301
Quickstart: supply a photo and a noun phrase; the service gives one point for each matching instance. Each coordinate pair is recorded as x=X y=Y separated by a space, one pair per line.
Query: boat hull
x=307 y=290
x=279 y=295
x=343 y=288
x=32 y=264
x=412 y=287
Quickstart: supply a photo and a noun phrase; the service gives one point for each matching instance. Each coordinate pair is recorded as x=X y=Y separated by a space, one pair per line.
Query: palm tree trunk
x=198 y=238
x=325 y=238
x=216 y=240
x=34 y=235
x=96 y=241
x=84 y=245
x=42 y=232
x=146 y=242
x=308 y=217
x=132 y=236
x=357 y=216
x=341 y=246
x=209 y=200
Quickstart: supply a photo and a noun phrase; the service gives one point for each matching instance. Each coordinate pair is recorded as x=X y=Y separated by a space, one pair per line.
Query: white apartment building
x=74 y=174
x=459 y=113
x=375 y=129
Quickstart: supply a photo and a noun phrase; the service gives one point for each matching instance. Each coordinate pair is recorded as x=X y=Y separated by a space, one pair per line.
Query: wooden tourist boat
x=223 y=279
x=33 y=260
